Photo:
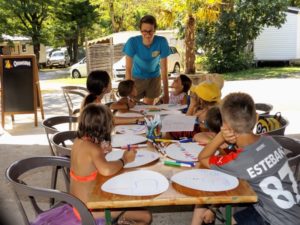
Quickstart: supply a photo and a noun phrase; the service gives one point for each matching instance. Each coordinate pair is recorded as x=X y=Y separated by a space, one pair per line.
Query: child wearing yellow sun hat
x=202 y=97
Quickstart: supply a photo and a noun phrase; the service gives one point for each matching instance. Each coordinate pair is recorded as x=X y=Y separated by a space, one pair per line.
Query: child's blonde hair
x=238 y=111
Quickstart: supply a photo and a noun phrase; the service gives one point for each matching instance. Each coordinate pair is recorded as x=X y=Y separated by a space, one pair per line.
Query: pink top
x=176 y=99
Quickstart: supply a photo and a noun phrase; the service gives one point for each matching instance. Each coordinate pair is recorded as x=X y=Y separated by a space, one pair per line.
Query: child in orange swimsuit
x=88 y=159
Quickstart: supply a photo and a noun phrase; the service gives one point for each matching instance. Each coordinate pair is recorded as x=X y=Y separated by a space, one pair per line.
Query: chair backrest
x=14 y=175
x=294 y=163
x=50 y=124
x=62 y=142
x=74 y=96
x=263 y=108
x=292 y=150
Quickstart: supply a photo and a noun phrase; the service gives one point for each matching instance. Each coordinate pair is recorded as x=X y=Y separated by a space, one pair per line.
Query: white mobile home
x=281 y=44
x=19 y=45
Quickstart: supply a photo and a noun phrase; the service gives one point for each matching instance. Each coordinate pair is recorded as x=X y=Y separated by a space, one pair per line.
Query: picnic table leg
x=107 y=217
x=228 y=214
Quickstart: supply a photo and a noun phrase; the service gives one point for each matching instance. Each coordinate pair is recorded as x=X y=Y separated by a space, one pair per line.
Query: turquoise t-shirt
x=146 y=60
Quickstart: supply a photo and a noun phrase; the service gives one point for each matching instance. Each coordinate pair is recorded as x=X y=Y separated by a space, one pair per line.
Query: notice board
x=19 y=84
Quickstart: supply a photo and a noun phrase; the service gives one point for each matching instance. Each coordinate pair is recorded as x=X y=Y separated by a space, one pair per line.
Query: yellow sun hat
x=208 y=91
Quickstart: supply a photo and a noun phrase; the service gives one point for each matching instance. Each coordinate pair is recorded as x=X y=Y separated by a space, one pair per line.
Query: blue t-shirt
x=146 y=60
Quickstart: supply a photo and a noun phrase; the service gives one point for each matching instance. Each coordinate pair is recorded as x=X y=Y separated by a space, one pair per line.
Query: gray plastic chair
x=263 y=108
x=292 y=150
x=62 y=142
x=50 y=129
x=61 y=148
x=72 y=95
x=14 y=175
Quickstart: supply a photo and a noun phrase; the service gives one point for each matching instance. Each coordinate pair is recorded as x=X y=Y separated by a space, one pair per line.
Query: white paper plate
x=119 y=140
x=142 y=157
x=205 y=180
x=172 y=106
x=130 y=129
x=137 y=183
x=184 y=151
x=129 y=115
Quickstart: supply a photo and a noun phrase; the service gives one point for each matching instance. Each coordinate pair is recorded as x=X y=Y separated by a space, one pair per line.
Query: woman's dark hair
x=186 y=82
x=148 y=19
x=125 y=88
x=96 y=123
x=96 y=82
x=213 y=119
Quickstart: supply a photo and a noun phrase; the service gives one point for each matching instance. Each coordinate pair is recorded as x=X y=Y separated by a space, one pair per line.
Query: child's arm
x=119 y=106
x=210 y=149
x=109 y=168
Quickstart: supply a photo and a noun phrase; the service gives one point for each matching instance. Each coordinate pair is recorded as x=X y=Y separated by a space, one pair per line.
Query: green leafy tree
x=72 y=20
x=26 y=17
x=189 y=11
x=225 y=42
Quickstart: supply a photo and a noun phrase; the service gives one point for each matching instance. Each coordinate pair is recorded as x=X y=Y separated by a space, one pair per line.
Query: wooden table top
x=175 y=195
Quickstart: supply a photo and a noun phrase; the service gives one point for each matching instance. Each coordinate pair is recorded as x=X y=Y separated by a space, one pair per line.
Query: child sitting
x=181 y=86
x=88 y=160
x=127 y=91
x=203 y=96
x=259 y=159
x=213 y=123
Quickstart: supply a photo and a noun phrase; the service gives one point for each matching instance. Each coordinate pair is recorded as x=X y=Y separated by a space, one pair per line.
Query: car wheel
x=76 y=74
x=176 y=68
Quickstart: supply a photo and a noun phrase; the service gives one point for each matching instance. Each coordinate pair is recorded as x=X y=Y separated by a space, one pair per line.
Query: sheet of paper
x=205 y=180
x=142 y=157
x=187 y=152
x=178 y=122
x=137 y=183
x=130 y=129
x=119 y=140
x=129 y=115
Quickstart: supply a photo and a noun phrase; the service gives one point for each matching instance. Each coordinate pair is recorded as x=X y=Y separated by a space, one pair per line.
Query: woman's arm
x=128 y=74
x=164 y=76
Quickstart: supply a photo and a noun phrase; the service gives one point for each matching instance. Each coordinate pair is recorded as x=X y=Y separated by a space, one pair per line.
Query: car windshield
x=58 y=54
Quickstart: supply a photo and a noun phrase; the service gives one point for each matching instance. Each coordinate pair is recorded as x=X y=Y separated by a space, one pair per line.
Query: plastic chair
x=62 y=142
x=50 y=128
x=50 y=124
x=33 y=193
x=74 y=96
x=292 y=150
x=263 y=108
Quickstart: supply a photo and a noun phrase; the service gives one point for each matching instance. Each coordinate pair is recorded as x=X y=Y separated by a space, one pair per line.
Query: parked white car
x=79 y=69
x=59 y=58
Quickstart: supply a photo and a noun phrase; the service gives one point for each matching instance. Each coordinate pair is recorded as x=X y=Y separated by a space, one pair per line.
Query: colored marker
x=166 y=140
x=185 y=140
x=134 y=146
x=171 y=163
x=188 y=163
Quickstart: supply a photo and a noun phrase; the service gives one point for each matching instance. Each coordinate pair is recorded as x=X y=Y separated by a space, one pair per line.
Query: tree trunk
x=190 y=45
x=36 y=49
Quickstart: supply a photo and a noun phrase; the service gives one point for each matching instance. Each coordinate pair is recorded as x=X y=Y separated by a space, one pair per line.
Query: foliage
x=225 y=41
x=73 y=19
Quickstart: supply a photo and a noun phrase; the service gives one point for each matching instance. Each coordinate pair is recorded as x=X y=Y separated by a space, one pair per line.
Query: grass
x=263 y=73
x=251 y=74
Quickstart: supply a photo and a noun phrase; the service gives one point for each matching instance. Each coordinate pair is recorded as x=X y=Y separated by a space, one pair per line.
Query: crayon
x=165 y=140
x=192 y=164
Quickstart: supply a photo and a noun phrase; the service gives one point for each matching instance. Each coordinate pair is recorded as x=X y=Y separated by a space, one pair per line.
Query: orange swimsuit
x=87 y=178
